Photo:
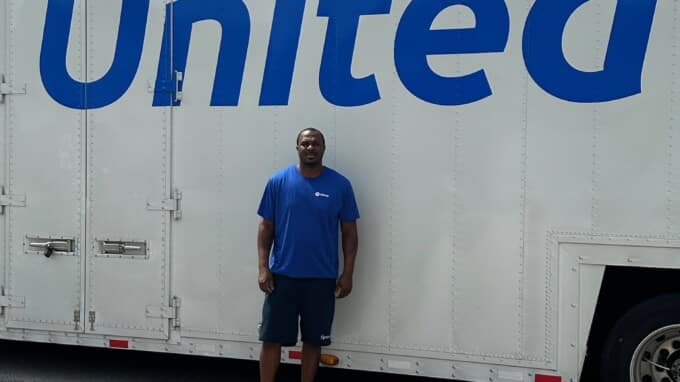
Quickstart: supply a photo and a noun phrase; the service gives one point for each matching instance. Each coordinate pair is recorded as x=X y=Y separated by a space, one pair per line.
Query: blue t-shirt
x=306 y=213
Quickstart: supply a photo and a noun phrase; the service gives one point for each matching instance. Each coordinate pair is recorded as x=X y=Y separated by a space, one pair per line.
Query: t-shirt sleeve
x=266 y=209
x=349 y=211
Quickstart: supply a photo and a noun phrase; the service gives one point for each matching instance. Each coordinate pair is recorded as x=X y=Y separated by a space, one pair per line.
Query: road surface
x=29 y=362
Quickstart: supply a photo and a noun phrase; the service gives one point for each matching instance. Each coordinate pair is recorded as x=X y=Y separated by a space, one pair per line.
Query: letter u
x=106 y=90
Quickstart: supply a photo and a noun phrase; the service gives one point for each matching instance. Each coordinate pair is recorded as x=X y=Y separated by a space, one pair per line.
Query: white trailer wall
x=456 y=202
x=459 y=204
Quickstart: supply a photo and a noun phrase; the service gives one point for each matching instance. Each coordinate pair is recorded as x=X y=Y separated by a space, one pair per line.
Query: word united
x=414 y=41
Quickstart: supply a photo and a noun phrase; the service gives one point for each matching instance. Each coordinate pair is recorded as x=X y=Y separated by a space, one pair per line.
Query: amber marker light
x=329 y=359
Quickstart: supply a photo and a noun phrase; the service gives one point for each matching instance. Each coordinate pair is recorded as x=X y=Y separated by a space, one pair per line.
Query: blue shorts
x=311 y=301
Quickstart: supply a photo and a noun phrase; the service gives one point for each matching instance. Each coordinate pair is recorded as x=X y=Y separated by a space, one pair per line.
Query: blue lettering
x=622 y=73
x=283 y=47
x=55 y=77
x=415 y=41
x=337 y=84
x=234 y=19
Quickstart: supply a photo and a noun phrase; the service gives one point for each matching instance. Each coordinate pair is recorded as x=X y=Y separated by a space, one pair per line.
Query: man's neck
x=310 y=171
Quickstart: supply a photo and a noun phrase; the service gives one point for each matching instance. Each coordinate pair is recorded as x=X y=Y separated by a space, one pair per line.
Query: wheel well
x=622 y=288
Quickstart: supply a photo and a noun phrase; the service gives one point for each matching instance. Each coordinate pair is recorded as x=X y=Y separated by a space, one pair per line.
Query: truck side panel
x=486 y=226
x=45 y=165
x=128 y=153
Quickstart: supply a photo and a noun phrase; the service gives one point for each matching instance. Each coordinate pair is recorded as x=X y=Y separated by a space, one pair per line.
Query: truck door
x=130 y=200
x=43 y=170
x=217 y=163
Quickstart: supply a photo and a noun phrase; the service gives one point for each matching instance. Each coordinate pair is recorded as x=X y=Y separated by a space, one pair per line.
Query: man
x=301 y=209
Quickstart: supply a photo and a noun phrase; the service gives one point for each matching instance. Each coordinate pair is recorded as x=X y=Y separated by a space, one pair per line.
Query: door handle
x=49 y=246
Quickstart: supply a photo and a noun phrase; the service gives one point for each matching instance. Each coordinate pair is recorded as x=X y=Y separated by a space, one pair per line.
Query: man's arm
x=350 y=244
x=265 y=239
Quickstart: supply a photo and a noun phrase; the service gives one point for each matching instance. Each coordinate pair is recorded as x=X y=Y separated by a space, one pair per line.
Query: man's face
x=310 y=148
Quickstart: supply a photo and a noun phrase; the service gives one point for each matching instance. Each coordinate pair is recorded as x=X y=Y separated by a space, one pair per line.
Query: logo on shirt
x=321 y=195
x=324 y=338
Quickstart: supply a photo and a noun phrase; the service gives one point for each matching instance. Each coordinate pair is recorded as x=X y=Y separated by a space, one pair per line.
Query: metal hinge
x=93 y=318
x=76 y=319
x=173 y=86
x=13 y=301
x=10 y=200
x=171 y=205
x=176 y=304
x=8 y=89
x=166 y=312
x=160 y=312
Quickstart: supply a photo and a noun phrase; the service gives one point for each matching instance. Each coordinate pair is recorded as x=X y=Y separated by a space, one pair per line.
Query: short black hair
x=313 y=130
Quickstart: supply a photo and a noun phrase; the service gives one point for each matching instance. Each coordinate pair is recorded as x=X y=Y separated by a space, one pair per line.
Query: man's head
x=310 y=145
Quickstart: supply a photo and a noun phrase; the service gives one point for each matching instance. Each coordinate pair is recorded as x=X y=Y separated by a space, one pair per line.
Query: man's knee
x=311 y=346
x=271 y=347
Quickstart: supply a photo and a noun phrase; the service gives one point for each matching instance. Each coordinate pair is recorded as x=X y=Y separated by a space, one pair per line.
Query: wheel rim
x=657 y=357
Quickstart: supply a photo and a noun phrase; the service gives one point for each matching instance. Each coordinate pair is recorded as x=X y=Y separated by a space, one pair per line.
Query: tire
x=644 y=345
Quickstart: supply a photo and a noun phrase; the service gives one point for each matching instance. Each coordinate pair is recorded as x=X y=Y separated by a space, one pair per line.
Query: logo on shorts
x=324 y=338
x=321 y=195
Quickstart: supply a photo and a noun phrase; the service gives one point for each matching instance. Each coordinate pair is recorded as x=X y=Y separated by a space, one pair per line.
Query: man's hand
x=344 y=287
x=265 y=239
x=266 y=281
x=350 y=242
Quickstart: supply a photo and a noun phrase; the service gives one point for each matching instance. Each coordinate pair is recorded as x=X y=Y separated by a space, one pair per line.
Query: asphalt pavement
x=29 y=362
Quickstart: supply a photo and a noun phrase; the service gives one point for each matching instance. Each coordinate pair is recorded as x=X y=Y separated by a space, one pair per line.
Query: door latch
x=121 y=248
x=50 y=246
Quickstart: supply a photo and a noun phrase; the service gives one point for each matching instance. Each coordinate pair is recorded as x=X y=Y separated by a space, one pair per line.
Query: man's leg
x=310 y=361
x=270 y=358
x=279 y=326
x=316 y=322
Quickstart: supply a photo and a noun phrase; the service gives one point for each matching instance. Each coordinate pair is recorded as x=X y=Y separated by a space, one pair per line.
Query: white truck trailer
x=516 y=166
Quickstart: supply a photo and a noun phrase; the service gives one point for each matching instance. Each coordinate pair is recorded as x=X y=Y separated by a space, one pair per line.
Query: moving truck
x=516 y=165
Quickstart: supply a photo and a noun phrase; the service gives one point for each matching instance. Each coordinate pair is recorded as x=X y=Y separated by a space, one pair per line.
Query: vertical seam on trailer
x=390 y=258
x=91 y=285
x=10 y=150
x=221 y=217
x=594 y=207
x=454 y=210
x=671 y=125
x=548 y=309
x=390 y=262
x=523 y=211
x=81 y=193
x=165 y=157
x=166 y=219
x=454 y=228
x=5 y=46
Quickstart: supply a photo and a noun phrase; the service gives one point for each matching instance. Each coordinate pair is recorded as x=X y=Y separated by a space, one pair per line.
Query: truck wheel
x=644 y=345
